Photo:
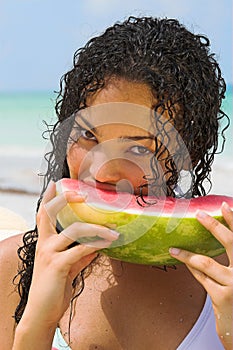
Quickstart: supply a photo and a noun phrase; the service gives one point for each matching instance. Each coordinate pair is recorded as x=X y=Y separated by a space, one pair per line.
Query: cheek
x=136 y=170
x=142 y=166
x=75 y=158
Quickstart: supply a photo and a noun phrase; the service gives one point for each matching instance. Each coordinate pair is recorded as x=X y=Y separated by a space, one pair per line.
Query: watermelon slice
x=146 y=232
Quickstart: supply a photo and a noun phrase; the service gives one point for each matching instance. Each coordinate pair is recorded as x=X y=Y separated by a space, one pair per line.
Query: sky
x=39 y=37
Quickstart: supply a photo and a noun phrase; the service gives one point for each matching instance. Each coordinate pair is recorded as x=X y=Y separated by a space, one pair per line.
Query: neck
x=157 y=281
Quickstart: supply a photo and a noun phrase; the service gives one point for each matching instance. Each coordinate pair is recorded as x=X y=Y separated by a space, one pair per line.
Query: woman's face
x=114 y=140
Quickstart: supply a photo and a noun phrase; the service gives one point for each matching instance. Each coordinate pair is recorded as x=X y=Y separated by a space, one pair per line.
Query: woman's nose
x=105 y=167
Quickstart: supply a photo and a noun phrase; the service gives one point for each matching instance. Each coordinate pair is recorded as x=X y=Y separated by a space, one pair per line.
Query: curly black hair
x=180 y=70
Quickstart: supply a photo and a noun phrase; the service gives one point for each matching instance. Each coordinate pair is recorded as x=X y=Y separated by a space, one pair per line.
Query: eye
x=87 y=134
x=140 y=150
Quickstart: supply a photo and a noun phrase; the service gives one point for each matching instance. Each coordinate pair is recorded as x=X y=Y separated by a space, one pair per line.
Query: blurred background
x=37 y=42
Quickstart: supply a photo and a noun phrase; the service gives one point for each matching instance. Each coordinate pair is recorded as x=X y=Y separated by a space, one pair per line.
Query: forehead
x=117 y=114
x=123 y=102
x=121 y=90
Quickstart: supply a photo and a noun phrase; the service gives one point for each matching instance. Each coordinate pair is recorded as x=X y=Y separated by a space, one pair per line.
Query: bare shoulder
x=9 y=257
x=9 y=297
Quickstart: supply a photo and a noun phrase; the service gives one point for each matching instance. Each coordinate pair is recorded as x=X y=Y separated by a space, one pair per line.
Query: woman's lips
x=101 y=185
x=118 y=187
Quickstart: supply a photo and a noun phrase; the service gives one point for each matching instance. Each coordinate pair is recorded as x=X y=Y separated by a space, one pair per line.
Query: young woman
x=140 y=105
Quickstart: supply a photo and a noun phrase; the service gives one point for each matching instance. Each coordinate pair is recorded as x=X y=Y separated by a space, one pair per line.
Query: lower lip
x=107 y=187
x=103 y=187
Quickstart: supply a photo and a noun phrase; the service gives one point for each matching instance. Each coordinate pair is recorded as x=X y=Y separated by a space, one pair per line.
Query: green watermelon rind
x=153 y=249
x=150 y=248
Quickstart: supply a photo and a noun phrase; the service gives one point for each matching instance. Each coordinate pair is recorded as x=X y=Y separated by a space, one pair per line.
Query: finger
x=228 y=215
x=77 y=255
x=78 y=230
x=81 y=264
x=204 y=264
x=78 y=252
x=83 y=229
x=219 y=231
x=98 y=244
x=75 y=258
x=49 y=193
x=56 y=204
x=45 y=227
x=50 y=206
x=211 y=286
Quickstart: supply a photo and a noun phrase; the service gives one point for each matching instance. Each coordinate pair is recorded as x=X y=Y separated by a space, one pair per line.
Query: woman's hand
x=217 y=279
x=56 y=265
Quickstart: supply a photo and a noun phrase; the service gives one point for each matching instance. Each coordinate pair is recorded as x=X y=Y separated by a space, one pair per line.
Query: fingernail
x=76 y=193
x=226 y=207
x=114 y=233
x=73 y=196
x=174 y=251
x=80 y=196
x=201 y=214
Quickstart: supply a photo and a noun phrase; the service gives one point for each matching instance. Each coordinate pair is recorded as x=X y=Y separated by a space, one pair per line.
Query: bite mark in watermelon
x=146 y=233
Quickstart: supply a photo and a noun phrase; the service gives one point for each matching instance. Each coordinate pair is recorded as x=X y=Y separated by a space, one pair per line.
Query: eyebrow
x=88 y=124
x=134 y=138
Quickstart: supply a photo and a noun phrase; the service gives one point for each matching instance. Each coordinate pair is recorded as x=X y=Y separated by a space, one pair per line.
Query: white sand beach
x=19 y=182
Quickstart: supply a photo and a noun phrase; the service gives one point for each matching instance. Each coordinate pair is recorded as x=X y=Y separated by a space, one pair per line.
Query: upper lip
x=105 y=186
x=101 y=185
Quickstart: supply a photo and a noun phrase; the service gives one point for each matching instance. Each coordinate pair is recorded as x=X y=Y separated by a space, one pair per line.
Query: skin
x=114 y=155
x=115 y=292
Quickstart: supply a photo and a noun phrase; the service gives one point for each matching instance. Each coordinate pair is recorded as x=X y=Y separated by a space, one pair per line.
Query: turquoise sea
x=21 y=117
x=22 y=146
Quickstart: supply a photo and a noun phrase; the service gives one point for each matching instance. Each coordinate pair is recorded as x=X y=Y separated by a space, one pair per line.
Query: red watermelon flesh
x=146 y=232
